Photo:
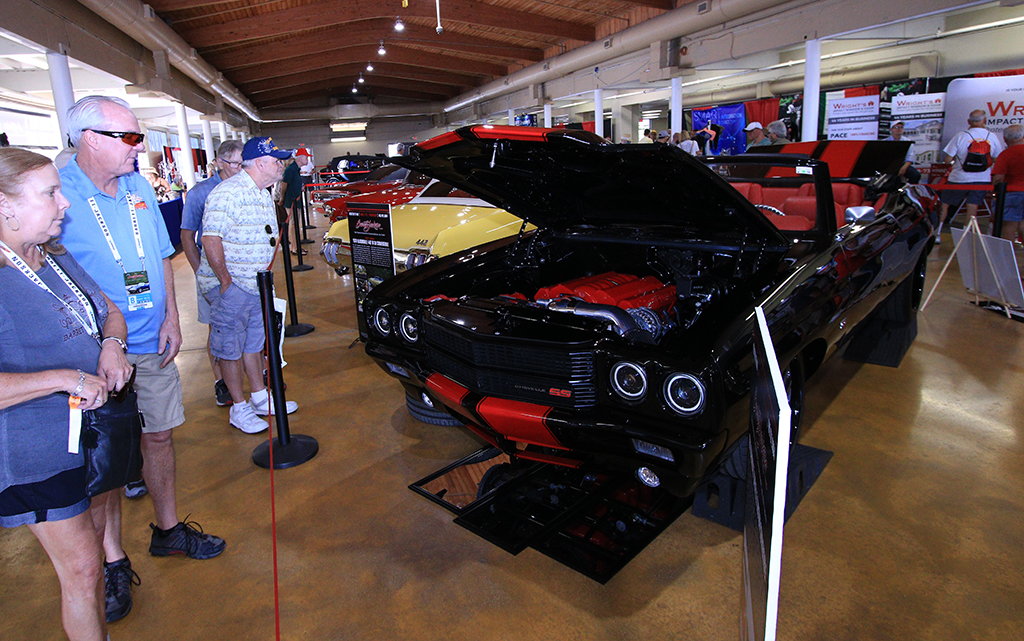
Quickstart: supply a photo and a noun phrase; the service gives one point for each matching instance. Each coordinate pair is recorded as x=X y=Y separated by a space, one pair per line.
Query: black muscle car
x=618 y=334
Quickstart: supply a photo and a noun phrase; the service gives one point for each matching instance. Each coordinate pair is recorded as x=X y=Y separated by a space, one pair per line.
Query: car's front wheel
x=423 y=411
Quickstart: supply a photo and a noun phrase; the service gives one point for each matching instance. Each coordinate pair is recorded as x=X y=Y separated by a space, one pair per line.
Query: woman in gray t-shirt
x=51 y=318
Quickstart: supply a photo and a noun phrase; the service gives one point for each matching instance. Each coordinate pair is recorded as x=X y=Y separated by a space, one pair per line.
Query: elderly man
x=115 y=231
x=777 y=133
x=239 y=235
x=907 y=170
x=755 y=135
x=956 y=152
x=1009 y=168
x=228 y=163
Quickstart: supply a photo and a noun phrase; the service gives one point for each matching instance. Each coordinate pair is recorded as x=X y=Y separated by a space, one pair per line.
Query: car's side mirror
x=863 y=214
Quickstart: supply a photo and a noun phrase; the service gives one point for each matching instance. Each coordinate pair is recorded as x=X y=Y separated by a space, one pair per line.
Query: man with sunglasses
x=228 y=163
x=239 y=237
x=115 y=231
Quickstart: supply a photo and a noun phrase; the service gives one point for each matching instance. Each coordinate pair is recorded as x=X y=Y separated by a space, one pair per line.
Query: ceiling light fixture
x=439 y=27
x=354 y=90
x=381 y=51
x=369 y=66
x=361 y=81
x=399 y=25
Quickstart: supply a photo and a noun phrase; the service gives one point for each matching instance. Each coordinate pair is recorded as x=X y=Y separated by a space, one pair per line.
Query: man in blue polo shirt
x=228 y=163
x=115 y=231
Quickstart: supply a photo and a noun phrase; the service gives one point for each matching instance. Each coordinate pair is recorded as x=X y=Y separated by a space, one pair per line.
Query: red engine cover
x=619 y=290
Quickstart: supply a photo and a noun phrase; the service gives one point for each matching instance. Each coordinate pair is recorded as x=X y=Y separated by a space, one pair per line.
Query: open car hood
x=572 y=179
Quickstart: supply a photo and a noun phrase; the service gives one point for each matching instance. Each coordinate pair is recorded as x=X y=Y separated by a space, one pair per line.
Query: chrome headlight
x=382 y=321
x=684 y=393
x=409 y=327
x=629 y=380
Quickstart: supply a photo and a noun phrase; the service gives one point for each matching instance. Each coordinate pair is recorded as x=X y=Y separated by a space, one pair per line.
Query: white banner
x=853 y=118
x=922 y=116
x=1001 y=98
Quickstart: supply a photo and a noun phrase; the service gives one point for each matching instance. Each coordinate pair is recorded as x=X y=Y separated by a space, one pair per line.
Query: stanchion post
x=296 y=223
x=289 y=450
x=296 y=328
x=997 y=215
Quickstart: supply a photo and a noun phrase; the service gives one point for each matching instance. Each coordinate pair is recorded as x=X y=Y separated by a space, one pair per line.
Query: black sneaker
x=220 y=391
x=185 y=538
x=136 y=489
x=119 y=578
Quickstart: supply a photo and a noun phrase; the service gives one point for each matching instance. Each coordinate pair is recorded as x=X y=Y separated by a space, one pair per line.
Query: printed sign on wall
x=922 y=117
x=853 y=118
x=1001 y=98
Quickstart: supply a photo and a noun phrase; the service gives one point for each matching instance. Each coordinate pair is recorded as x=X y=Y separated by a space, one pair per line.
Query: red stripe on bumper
x=518 y=421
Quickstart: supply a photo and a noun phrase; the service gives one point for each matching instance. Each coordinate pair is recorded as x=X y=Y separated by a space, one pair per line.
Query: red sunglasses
x=131 y=138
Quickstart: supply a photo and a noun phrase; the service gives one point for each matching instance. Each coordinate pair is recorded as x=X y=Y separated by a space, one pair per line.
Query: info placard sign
x=369 y=228
x=767 y=467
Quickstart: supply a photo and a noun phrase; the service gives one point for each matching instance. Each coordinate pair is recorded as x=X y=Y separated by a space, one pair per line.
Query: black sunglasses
x=131 y=138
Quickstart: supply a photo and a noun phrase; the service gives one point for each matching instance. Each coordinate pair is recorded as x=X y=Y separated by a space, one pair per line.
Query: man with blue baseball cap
x=239 y=236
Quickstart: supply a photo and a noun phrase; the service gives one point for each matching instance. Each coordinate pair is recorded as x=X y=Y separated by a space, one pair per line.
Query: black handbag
x=112 y=442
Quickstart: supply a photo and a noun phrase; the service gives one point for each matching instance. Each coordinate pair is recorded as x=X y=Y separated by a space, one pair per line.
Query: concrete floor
x=914 y=531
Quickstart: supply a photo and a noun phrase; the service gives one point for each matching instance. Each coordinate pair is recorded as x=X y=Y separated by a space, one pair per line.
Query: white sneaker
x=243 y=417
x=263 y=404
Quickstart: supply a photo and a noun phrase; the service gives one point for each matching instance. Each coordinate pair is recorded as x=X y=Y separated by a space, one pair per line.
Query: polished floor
x=914 y=531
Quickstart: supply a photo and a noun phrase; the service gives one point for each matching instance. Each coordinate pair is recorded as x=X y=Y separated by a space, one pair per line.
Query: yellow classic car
x=440 y=221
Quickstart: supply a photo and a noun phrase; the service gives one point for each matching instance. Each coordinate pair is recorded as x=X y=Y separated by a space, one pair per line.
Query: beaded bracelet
x=81 y=384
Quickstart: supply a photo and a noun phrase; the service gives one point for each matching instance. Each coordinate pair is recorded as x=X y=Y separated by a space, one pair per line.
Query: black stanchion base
x=298 y=329
x=299 y=450
x=310 y=227
x=302 y=268
x=307 y=241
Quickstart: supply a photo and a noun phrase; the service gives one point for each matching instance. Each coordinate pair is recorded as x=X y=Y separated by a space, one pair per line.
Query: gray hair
x=976 y=116
x=1013 y=133
x=228 y=147
x=777 y=127
x=249 y=163
x=87 y=113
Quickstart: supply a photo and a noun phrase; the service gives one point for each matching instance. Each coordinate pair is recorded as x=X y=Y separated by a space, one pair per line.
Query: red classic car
x=389 y=184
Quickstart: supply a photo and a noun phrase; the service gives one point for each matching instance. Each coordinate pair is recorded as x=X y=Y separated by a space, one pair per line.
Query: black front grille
x=511 y=370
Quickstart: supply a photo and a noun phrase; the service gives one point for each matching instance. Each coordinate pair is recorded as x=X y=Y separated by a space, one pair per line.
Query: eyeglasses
x=233 y=163
x=130 y=138
x=270 y=232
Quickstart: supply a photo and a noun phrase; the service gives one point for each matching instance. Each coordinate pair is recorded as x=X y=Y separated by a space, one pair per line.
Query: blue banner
x=732 y=119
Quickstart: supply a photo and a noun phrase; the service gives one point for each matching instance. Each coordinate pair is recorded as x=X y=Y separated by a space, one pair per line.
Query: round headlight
x=382 y=321
x=629 y=380
x=409 y=328
x=684 y=393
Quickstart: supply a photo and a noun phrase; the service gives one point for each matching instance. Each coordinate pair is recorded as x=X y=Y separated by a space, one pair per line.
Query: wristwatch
x=124 y=346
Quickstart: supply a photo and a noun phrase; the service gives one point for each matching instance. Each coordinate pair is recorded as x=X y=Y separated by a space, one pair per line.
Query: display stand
x=972 y=231
x=289 y=449
x=722 y=498
x=296 y=328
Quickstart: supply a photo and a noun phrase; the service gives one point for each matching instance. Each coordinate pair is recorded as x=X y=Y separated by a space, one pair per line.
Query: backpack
x=979 y=155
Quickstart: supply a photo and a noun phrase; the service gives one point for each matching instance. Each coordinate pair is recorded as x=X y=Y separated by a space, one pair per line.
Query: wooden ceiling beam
x=349 y=72
x=366 y=32
x=287 y=96
x=328 y=12
x=666 y=5
x=362 y=53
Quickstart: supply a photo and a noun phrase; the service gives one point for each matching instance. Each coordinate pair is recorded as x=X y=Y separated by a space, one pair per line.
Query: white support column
x=63 y=91
x=599 y=112
x=547 y=116
x=188 y=174
x=208 y=141
x=511 y=117
x=812 y=86
x=676 y=105
x=223 y=129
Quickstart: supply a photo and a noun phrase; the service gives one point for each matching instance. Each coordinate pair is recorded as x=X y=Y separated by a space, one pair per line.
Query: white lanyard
x=110 y=239
x=89 y=320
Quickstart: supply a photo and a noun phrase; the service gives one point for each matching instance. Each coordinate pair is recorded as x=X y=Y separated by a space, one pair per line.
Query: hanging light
x=369 y=66
x=399 y=25
x=381 y=51
x=361 y=81
x=354 y=90
x=439 y=28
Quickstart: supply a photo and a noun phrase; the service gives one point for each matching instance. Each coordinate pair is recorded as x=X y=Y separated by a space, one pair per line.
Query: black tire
x=901 y=306
x=735 y=465
x=427 y=414
x=494 y=477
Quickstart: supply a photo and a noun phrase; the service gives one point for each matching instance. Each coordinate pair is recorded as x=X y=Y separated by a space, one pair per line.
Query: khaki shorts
x=159 y=392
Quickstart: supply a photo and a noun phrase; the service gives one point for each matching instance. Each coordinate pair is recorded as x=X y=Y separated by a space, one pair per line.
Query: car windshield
x=381 y=172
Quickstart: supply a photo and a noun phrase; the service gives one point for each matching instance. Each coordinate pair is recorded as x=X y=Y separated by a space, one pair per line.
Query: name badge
x=136 y=285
